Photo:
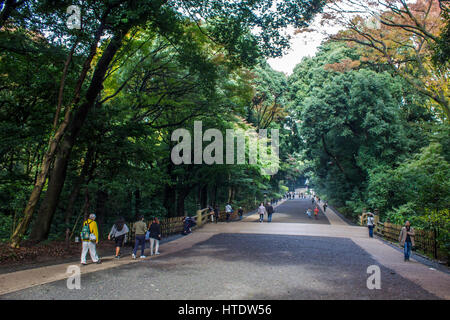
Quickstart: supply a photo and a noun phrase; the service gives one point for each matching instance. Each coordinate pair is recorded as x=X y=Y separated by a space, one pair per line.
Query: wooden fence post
x=435 y=253
x=199 y=218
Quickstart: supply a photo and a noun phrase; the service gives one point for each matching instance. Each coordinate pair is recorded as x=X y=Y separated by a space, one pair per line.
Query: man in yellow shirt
x=90 y=242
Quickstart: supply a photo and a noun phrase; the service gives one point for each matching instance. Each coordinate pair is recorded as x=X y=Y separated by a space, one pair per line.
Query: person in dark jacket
x=270 y=210
x=240 y=213
x=155 y=235
x=188 y=223
x=406 y=239
x=216 y=213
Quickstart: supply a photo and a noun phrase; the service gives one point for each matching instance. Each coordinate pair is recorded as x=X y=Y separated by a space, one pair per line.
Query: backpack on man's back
x=85 y=231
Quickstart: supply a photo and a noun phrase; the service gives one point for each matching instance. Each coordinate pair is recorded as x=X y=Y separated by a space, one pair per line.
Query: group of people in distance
x=315 y=202
x=215 y=213
x=293 y=195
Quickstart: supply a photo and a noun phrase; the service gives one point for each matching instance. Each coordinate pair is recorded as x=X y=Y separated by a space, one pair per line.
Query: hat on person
x=92 y=216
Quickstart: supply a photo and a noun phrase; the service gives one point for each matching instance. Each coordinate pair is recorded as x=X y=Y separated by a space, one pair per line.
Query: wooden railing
x=363 y=219
x=424 y=240
x=170 y=226
x=174 y=225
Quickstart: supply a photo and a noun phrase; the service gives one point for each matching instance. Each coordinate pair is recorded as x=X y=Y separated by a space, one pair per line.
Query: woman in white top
x=261 y=211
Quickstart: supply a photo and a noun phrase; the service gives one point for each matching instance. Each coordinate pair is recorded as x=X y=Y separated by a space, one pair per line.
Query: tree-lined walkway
x=293 y=259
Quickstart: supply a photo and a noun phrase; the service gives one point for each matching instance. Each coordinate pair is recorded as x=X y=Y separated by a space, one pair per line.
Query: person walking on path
x=406 y=239
x=309 y=213
x=370 y=223
x=211 y=213
x=240 y=213
x=155 y=235
x=216 y=213
x=89 y=237
x=316 y=212
x=139 y=229
x=270 y=211
x=229 y=211
x=325 y=205
x=261 y=211
x=118 y=233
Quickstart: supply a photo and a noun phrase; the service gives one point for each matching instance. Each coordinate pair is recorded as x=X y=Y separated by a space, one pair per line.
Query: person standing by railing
x=229 y=211
x=216 y=213
x=370 y=223
x=211 y=213
x=406 y=239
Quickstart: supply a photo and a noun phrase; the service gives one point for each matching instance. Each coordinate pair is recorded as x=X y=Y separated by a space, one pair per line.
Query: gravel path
x=242 y=266
x=292 y=258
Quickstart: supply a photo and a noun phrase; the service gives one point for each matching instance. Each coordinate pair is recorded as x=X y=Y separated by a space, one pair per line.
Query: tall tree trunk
x=129 y=206
x=215 y=195
x=182 y=193
x=41 y=176
x=41 y=227
x=65 y=148
x=204 y=196
x=169 y=190
x=230 y=194
x=39 y=184
x=137 y=201
x=87 y=169
x=100 y=209
x=87 y=205
x=169 y=200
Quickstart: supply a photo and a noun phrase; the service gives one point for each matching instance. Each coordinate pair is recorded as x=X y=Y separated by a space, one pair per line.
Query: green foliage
x=366 y=137
x=6 y=225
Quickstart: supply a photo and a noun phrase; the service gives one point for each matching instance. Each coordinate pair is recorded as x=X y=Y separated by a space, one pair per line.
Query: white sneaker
x=133 y=256
x=142 y=257
x=157 y=253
